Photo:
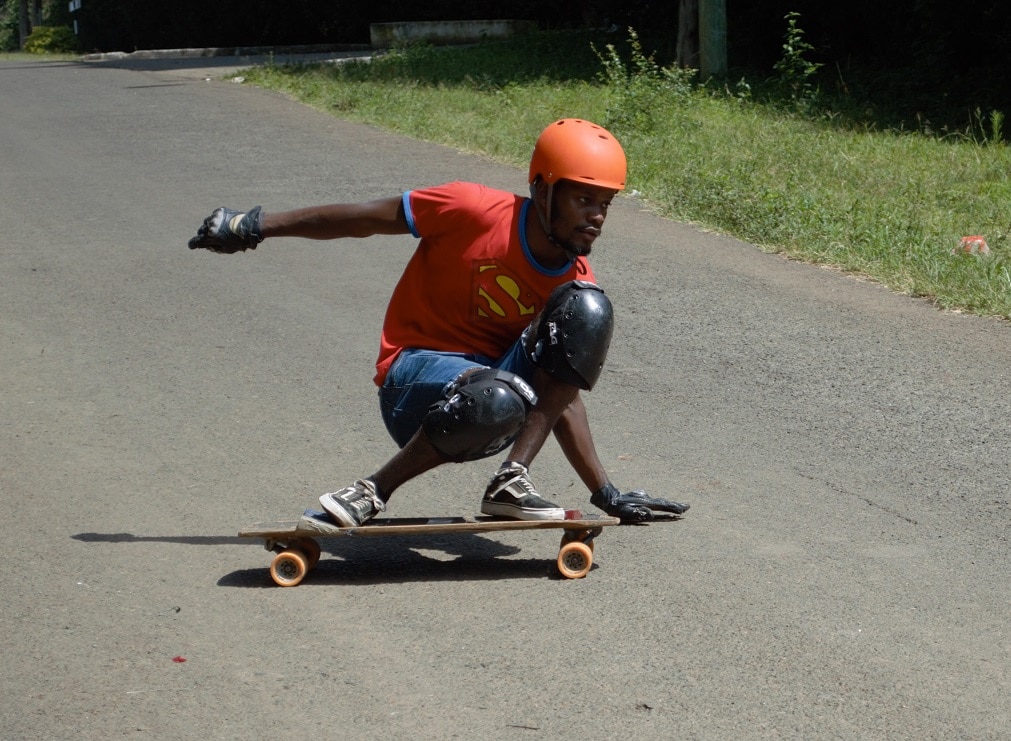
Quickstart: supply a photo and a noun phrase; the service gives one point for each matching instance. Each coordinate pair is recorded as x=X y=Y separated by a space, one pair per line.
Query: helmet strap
x=544 y=215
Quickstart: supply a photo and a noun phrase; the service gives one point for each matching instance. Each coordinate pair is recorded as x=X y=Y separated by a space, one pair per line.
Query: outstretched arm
x=385 y=216
x=229 y=231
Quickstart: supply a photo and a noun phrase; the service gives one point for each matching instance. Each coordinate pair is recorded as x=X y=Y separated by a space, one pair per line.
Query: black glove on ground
x=634 y=506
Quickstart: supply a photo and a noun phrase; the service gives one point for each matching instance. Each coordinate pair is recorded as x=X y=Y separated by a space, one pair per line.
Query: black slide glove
x=227 y=231
x=634 y=506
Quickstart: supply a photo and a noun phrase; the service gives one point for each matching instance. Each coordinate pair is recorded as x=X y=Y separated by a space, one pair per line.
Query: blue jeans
x=419 y=378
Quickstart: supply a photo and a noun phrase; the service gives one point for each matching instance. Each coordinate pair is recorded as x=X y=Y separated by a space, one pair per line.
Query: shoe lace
x=369 y=501
x=524 y=484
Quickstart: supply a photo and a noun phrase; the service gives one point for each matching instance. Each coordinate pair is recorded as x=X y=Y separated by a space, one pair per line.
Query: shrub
x=796 y=72
x=642 y=92
x=51 y=40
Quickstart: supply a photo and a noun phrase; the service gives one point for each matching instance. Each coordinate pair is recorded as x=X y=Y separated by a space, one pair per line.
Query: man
x=493 y=329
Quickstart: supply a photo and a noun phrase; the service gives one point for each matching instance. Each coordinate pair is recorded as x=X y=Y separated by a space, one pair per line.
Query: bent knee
x=481 y=415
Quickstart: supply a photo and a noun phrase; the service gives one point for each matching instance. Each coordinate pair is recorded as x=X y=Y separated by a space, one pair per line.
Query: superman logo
x=500 y=296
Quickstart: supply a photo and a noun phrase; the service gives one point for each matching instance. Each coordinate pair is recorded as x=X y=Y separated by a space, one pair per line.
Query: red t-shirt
x=472 y=285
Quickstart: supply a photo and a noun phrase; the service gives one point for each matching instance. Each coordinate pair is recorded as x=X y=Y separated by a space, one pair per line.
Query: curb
x=222 y=51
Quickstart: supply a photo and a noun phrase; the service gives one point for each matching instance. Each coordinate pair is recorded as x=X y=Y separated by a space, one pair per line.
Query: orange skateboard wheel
x=289 y=567
x=575 y=560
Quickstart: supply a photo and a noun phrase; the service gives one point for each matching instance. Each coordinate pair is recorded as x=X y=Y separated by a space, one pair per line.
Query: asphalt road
x=843 y=571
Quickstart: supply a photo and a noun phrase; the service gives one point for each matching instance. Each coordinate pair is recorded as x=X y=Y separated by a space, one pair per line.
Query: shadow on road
x=184 y=539
x=409 y=558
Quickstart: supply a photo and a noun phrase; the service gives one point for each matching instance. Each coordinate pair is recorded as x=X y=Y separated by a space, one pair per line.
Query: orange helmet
x=573 y=149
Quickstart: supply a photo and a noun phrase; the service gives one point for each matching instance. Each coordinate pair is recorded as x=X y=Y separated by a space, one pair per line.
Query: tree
x=28 y=19
x=702 y=37
x=688 y=34
x=23 y=25
x=712 y=38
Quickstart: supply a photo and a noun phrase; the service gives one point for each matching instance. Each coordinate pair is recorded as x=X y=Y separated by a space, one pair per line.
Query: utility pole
x=712 y=38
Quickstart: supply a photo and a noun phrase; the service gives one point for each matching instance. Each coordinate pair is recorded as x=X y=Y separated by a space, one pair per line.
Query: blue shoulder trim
x=406 y=198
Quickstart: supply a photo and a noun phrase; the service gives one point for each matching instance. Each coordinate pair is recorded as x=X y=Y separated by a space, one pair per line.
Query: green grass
x=788 y=175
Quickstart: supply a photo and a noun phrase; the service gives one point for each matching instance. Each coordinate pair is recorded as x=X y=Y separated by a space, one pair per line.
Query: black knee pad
x=574 y=334
x=482 y=413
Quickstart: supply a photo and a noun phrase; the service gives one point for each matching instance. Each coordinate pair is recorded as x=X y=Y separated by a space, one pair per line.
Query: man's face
x=578 y=213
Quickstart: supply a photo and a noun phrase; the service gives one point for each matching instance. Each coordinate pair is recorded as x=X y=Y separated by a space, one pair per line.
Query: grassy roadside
x=795 y=179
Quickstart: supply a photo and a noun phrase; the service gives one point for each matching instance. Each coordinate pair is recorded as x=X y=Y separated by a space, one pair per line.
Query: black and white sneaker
x=354 y=505
x=511 y=494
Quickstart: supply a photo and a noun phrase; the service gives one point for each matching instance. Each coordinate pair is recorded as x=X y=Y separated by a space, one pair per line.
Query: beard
x=572 y=248
x=576 y=251
x=575 y=247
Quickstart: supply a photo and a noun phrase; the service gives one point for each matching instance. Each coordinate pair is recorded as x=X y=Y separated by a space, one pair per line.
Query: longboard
x=297 y=549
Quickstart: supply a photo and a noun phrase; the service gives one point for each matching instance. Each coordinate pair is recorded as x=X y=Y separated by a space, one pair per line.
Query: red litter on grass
x=973 y=245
